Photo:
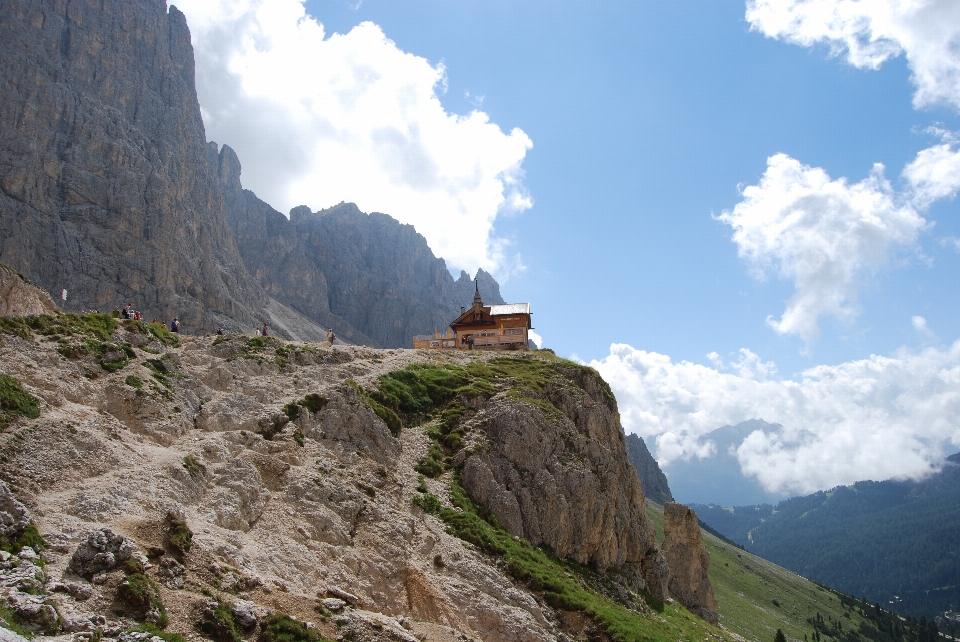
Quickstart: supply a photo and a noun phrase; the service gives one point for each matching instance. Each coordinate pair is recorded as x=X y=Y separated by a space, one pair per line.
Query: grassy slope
x=746 y=585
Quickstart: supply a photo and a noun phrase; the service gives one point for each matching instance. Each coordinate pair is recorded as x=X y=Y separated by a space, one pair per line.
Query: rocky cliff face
x=560 y=477
x=109 y=190
x=104 y=184
x=248 y=469
x=371 y=278
x=654 y=482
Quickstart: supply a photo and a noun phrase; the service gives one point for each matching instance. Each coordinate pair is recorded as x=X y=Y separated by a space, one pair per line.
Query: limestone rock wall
x=104 y=185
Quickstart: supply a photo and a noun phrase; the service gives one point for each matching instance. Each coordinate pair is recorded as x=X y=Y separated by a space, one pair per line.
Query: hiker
x=256 y=331
x=265 y=331
x=331 y=337
x=137 y=316
x=116 y=312
x=175 y=326
x=126 y=311
x=219 y=331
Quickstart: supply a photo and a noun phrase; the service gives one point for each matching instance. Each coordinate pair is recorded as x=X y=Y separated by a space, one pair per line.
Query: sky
x=732 y=210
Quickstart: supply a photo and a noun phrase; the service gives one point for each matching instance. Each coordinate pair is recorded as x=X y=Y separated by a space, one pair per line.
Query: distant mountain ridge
x=718 y=479
x=894 y=542
x=368 y=276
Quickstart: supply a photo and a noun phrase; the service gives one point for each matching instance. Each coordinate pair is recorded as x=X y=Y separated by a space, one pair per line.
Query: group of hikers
x=262 y=330
x=129 y=313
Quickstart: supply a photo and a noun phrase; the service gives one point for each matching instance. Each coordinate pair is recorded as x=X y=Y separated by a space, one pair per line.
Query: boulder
x=688 y=561
x=102 y=551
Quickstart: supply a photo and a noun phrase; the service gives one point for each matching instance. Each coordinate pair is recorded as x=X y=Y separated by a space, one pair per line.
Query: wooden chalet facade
x=484 y=327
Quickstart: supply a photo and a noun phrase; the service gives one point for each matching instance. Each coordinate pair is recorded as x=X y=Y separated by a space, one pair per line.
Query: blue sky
x=615 y=137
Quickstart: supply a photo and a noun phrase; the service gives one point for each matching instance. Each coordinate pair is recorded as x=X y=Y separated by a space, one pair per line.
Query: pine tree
x=780 y=637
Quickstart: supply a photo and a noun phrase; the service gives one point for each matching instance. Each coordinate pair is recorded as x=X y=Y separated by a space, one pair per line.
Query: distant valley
x=894 y=542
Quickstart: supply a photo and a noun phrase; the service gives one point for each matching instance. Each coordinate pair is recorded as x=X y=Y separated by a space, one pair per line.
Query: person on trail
x=256 y=331
x=331 y=337
x=126 y=311
x=175 y=326
x=116 y=312
x=220 y=331
x=266 y=331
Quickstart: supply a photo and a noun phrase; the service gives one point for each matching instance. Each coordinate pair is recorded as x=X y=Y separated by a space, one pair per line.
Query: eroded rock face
x=561 y=477
x=19 y=297
x=688 y=561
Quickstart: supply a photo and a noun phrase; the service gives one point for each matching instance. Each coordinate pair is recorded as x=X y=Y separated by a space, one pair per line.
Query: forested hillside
x=894 y=542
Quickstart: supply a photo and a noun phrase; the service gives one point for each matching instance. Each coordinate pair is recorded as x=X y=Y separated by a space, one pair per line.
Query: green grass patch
x=15 y=402
x=134 y=382
x=12 y=622
x=280 y=627
x=153 y=330
x=29 y=537
x=97 y=326
x=166 y=636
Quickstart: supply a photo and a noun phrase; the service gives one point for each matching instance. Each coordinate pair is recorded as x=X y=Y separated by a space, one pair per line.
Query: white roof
x=509 y=308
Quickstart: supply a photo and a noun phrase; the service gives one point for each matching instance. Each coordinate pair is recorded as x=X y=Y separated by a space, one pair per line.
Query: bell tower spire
x=476 y=297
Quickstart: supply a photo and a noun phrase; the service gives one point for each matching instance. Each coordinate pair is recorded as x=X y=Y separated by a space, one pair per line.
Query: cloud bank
x=875 y=418
x=870 y=32
x=351 y=117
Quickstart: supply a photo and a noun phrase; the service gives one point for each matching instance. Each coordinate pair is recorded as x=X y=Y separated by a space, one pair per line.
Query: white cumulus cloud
x=874 y=418
x=870 y=32
x=935 y=173
x=317 y=120
x=821 y=233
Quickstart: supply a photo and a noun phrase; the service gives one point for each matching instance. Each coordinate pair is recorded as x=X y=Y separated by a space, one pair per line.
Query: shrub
x=280 y=627
x=142 y=595
x=220 y=624
x=134 y=382
x=15 y=402
x=179 y=534
x=193 y=466
x=428 y=503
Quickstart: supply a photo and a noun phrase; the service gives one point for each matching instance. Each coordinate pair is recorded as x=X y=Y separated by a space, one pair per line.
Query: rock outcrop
x=556 y=473
x=688 y=561
x=654 y=482
x=19 y=297
x=373 y=279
